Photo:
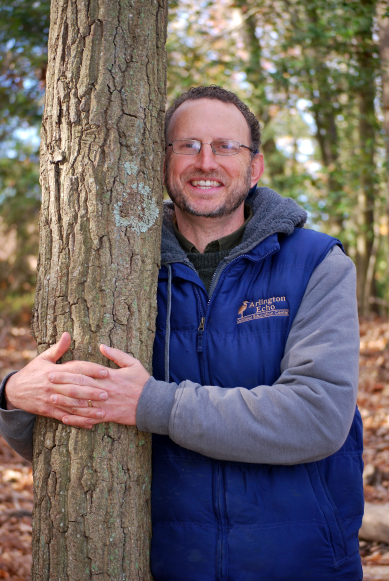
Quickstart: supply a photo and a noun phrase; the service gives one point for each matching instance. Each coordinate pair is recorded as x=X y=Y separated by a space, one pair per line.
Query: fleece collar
x=272 y=214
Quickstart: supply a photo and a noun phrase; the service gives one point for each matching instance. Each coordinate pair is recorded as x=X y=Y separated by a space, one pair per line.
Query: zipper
x=200 y=335
x=215 y=279
x=200 y=332
x=218 y=272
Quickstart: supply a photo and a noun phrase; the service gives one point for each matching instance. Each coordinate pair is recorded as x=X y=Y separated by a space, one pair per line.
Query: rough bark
x=101 y=156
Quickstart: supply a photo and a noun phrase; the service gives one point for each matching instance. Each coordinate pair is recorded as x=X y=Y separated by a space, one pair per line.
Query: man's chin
x=204 y=210
x=208 y=208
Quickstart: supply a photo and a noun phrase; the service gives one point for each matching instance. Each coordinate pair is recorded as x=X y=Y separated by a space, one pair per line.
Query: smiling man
x=256 y=440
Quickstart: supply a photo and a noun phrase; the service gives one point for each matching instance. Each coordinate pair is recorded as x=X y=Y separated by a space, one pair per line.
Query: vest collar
x=272 y=214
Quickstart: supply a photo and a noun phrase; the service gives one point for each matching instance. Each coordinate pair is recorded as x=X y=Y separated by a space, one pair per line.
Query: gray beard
x=236 y=198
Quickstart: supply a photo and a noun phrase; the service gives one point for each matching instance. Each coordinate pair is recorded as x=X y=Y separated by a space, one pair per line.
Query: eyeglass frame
x=254 y=151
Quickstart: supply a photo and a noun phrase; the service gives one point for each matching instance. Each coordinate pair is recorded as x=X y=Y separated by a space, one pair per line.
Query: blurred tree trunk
x=275 y=160
x=101 y=155
x=383 y=23
x=365 y=94
x=324 y=112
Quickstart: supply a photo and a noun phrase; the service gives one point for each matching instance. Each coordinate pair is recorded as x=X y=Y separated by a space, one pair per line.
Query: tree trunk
x=323 y=98
x=101 y=155
x=365 y=93
x=274 y=159
x=383 y=24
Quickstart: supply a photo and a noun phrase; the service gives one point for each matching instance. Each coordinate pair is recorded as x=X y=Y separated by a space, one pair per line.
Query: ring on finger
x=90 y=403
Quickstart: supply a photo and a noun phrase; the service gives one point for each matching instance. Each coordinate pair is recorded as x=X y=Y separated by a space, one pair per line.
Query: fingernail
x=103 y=395
x=51 y=376
x=103 y=373
x=100 y=414
x=107 y=349
x=65 y=420
x=53 y=398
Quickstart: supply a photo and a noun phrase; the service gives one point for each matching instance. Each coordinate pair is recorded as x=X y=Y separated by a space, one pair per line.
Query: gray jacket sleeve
x=16 y=426
x=305 y=415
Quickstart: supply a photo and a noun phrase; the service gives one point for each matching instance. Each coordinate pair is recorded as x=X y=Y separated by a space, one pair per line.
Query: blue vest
x=235 y=521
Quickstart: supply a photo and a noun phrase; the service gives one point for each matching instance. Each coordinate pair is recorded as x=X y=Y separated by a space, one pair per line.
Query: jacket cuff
x=3 y=401
x=155 y=406
x=16 y=426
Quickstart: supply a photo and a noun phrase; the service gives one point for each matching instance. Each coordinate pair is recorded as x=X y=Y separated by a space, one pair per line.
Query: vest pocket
x=336 y=534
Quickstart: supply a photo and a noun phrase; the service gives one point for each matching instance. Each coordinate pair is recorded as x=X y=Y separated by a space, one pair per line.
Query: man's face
x=206 y=184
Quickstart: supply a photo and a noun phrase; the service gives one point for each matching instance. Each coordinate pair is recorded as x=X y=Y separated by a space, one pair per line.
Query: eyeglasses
x=220 y=147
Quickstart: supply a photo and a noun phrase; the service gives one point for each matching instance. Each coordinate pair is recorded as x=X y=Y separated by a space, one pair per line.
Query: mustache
x=202 y=175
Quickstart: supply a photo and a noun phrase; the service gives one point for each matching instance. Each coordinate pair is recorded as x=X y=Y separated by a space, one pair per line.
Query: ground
x=17 y=348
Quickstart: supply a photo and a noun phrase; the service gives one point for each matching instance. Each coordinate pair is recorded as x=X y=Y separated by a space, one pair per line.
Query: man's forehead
x=208 y=114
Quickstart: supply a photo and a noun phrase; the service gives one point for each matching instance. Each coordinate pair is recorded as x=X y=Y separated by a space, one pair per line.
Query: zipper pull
x=200 y=332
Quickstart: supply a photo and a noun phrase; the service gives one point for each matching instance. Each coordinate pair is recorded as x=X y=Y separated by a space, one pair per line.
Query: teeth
x=206 y=183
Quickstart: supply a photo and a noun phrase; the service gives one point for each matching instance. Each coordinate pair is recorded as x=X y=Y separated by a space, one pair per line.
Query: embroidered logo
x=262 y=309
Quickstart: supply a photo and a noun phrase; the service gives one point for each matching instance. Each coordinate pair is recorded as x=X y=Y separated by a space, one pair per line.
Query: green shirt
x=207 y=262
x=225 y=243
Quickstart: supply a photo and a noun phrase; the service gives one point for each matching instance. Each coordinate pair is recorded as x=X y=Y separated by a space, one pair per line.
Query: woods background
x=315 y=73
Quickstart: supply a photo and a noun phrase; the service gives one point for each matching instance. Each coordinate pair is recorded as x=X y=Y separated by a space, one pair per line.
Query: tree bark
x=101 y=158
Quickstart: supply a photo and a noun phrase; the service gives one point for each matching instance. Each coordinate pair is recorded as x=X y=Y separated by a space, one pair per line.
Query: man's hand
x=34 y=390
x=123 y=386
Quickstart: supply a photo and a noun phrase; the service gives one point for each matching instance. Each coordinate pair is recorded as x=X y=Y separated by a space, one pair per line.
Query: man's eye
x=190 y=145
x=226 y=146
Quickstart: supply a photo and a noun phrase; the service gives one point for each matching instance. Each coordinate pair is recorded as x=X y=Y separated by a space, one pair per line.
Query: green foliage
x=23 y=48
x=309 y=70
x=23 y=45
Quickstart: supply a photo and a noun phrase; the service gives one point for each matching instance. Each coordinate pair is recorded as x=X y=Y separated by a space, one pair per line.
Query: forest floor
x=18 y=348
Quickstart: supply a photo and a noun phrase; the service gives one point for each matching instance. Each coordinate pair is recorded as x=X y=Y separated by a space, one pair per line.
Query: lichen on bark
x=101 y=157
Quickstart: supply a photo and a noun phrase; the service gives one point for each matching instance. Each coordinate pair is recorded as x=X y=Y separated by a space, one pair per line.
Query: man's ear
x=257 y=168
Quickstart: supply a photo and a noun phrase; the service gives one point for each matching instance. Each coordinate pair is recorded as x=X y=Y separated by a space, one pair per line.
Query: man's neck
x=201 y=231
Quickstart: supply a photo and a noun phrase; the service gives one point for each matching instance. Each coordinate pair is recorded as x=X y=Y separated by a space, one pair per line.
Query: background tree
x=23 y=61
x=312 y=72
x=101 y=157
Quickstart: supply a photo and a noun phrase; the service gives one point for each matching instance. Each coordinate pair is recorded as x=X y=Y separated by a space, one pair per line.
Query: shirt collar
x=225 y=243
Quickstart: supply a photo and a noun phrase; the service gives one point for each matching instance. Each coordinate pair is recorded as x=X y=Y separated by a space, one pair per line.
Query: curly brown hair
x=215 y=92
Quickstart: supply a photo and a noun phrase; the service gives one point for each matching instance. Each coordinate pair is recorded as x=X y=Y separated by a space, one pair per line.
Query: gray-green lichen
x=148 y=211
x=130 y=168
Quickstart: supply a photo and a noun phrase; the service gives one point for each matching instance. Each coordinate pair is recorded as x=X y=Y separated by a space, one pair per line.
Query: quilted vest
x=236 y=521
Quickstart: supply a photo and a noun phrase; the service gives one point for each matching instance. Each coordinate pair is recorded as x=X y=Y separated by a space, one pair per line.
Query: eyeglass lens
x=192 y=147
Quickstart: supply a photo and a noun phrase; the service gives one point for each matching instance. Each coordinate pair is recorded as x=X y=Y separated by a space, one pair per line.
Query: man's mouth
x=205 y=184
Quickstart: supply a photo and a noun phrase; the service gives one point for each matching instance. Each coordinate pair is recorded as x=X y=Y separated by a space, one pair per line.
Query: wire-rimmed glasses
x=219 y=147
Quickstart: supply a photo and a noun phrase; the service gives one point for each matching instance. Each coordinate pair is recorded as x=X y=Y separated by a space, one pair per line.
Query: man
x=257 y=446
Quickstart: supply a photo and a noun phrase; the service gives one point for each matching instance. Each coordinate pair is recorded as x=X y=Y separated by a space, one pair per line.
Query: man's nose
x=206 y=160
